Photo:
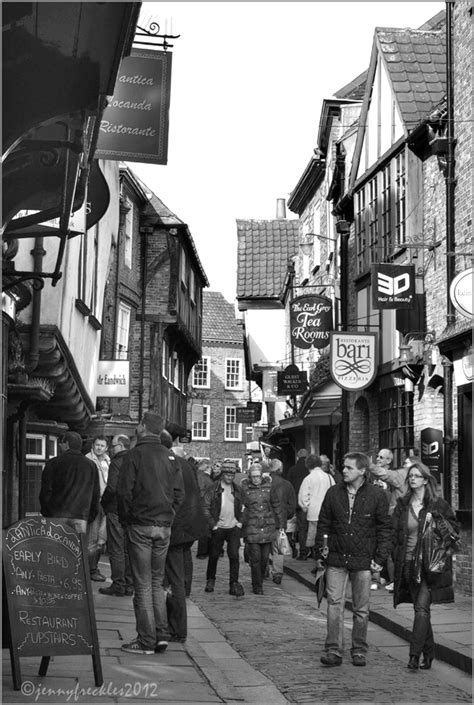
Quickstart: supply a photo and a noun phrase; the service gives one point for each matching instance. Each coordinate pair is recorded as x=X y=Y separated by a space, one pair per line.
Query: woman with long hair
x=420 y=504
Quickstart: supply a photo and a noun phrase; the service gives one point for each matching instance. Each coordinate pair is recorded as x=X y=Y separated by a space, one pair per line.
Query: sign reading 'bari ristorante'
x=310 y=321
x=134 y=127
x=353 y=359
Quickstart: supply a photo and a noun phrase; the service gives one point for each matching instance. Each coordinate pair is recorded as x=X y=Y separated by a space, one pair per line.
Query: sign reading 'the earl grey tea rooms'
x=310 y=321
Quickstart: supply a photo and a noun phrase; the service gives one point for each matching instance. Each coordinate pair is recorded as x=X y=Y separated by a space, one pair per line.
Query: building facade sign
x=134 y=127
x=113 y=378
x=292 y=381
x=393 y=286
x=246 y=415
x=460 y=292
x=270 y=385
x=310 y=321
x=353 y=359
x=431 y=440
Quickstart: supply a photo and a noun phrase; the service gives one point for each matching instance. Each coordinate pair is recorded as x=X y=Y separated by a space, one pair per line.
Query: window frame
x=128 y=234
x=205 y=423
x=232 y=411
x=239 y=386
x=207 y=384
x=122 y=308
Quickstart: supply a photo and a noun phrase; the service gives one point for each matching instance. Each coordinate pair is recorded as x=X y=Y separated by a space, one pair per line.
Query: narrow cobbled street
x=282 y=634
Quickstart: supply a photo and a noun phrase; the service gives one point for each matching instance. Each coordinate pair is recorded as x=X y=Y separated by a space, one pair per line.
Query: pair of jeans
x=175 y=576
x=118 y=554
x=216 y=544
x=422 y=640
x=258 y=554
x=336 y=585
x=147 y=549
x=302 y=529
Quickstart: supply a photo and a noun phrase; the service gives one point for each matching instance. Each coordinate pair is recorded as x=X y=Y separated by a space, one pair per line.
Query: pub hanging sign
x=353 y=360
x=310 y=321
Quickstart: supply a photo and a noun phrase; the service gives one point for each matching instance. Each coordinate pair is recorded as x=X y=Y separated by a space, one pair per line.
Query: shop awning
x=323 y=406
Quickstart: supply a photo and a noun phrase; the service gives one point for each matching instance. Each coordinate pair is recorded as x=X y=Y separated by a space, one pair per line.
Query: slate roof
x=416 y=63
x=355 y=90
x=264 y=248
x=219 y=323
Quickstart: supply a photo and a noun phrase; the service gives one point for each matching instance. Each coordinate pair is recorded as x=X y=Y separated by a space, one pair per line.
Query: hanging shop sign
x=310 y=321
x=393 y=286
x=460 y=292
x=245 y=415
x=134 y=127
x=269 y=385
x=431 y=440
x=353 y=359
x=292 y=381
x=113 y=378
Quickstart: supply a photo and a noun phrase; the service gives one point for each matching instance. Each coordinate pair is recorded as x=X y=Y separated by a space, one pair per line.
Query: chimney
x=281 y=209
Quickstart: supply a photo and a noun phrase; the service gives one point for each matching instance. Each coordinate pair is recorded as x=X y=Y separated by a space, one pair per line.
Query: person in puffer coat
x=261 y=519
x=354 y=517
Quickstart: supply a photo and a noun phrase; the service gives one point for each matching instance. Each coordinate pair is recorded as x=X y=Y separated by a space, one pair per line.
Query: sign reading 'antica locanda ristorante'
x=353 y=359
x=134 y=127
x=310 y=321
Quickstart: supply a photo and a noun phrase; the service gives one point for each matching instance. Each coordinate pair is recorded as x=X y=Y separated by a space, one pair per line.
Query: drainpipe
x=142 y=326
x=450 y=248
x=38 y=253
x=343 y=228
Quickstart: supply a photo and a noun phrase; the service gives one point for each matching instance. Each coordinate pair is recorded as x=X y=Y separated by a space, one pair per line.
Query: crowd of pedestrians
x=364 y=524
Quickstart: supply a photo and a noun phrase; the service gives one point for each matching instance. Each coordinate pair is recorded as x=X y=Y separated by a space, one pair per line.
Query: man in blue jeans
x=354 y=517
x=223 y=511
x=150 y=490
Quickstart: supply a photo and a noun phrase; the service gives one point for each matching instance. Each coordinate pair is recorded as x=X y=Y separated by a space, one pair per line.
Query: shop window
x=396 y=423
x=233 y=430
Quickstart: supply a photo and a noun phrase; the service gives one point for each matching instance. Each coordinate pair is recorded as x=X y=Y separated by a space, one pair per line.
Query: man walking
x=354 y=518
x=286 y=495
x=70 y=486
x=122 y=583
x=296 y=475
x=150 y=490
x=310 y=498
x=204 y=479
x=223 y=511
x=97 y=531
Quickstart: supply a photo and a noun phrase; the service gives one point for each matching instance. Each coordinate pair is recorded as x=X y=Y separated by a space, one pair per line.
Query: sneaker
x=111 y=591
x=277 y=579
x=389 y=587
x=210 y=585
x=178 y=639
x=257 y=591
x=237 y=590
x=161 y=645
x=374 y=586
x=98 y=577
x=358 y=660
x=136 y=648
x=331 y=659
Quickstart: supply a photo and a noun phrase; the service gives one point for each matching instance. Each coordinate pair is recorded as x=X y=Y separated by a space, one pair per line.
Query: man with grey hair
x=149 y=492
x=122 y=583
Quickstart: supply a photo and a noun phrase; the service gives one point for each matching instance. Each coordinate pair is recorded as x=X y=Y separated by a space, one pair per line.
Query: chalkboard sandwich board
x=49 y=596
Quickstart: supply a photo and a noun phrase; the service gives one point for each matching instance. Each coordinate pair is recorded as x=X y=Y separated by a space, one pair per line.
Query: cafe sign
x=310 y=321
x=113 y=378
x=134 y=126
x=353 y=359
x=460 y=292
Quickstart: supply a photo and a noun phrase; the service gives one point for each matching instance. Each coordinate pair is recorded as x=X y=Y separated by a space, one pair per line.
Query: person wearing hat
x=296 y=475
x=223 y=510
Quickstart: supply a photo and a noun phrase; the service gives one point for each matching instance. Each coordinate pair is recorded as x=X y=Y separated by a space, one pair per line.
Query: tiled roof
x=355 y=90
x=264 y=249
x=416 y=63
x=219 y=323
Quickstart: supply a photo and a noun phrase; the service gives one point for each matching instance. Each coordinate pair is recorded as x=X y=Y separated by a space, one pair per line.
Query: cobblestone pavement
x=282 y=636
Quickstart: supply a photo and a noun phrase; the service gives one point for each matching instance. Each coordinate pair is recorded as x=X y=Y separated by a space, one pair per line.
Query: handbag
x=281 y=544
x=436 y=544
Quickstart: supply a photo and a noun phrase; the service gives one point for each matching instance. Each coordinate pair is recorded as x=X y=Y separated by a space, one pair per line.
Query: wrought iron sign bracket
x=153 y=35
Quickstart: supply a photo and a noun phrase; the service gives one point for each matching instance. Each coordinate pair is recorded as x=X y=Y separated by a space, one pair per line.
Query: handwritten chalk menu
x=48 y=590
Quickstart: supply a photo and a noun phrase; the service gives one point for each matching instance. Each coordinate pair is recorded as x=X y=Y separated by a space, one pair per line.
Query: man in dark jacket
x=296 y=475
x=70 y=486
x=223 y=511
x=204 y=478
x=354 y=519
x=286 y=495
x=149 y=492
x=188 y=525
x=122 y=583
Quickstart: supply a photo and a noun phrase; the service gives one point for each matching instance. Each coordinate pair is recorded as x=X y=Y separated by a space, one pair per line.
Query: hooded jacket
x=150 y=487
x=355 y=540
x=212 y=502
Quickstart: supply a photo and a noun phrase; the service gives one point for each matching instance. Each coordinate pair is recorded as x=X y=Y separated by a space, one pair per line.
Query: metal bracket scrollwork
x=152 y=33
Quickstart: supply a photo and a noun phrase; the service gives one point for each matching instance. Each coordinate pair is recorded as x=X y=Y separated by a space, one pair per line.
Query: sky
x=248 y=80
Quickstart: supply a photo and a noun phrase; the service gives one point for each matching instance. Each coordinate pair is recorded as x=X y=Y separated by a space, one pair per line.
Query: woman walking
x=261 y=519
x=413 y=583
